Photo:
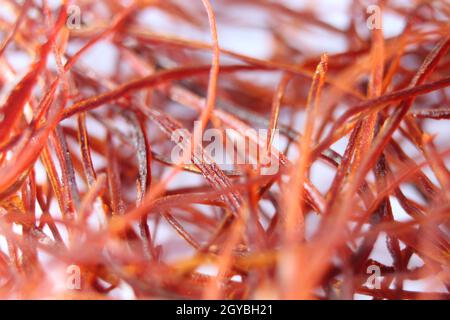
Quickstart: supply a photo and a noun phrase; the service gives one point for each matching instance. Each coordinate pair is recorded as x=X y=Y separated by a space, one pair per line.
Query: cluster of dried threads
x=102 y=142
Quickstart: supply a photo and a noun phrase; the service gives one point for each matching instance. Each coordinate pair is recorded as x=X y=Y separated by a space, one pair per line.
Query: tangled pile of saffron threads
x=353 y=102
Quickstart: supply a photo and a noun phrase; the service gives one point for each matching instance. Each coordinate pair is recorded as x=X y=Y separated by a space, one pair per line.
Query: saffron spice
x=224 y=150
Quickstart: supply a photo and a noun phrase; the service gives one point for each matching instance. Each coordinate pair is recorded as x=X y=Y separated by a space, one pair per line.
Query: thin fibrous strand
x=383 y=101
x=12 y=109
x=388 y=128
x=214 y=73
x=180 y=230
x=294 y=225
x=147 y=82
x=85 y=149
x=115 y=26
x=276 y=104
x=117 y=204
x=7 y=40
x=144 y=157
x=437 y=114
x=68 y=173
x=87 y=202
